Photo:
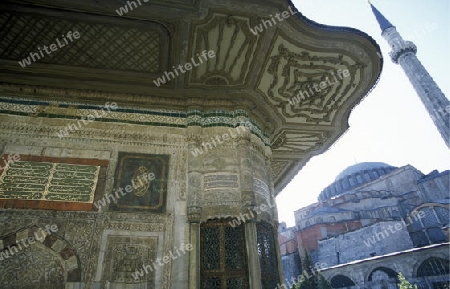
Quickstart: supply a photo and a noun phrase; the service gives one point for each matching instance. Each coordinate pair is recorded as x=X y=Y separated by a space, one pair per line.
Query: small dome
x=355 y=176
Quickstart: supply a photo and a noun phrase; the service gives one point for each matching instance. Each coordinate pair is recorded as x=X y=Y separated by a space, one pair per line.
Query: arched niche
x=33 y=267
x=382 y=273
x=34 y=256
x=341 y=281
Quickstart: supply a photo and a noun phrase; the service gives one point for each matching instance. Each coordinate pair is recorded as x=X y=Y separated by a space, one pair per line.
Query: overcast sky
x=390 y=124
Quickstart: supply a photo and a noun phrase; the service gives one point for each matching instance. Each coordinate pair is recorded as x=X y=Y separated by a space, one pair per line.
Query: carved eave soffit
x=260 y=73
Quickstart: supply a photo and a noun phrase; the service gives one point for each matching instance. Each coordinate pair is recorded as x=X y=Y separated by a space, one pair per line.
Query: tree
x=404 y=284
x=323 y=283
x=311 y=279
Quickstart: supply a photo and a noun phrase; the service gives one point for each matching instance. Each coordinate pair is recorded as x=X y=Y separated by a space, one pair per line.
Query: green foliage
x=323 y=283
x=312 y=279
x=404 y=284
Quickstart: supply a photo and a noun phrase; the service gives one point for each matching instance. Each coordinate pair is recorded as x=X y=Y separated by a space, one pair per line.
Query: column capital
x=194 y=213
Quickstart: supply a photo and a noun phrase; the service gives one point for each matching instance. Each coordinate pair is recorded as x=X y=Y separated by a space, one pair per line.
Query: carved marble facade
x=220 y=139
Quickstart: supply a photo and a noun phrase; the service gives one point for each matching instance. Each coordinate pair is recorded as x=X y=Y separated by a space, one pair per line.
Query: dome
x=355 y=176
x=361 y=167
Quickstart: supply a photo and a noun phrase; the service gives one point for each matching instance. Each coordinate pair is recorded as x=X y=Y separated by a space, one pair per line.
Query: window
x=436 y=235
x=419 y=239
x=429 y=219
x=359 y=179
x=443 y=214
x=433 y=267
x=267 y=256
x=223 y=256
x=352 y=181
x=427 y=230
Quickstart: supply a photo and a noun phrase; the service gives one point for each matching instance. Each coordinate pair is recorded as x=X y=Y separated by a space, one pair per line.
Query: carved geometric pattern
x=223 y=258
x=126 y=255
x=140 y=227
x=267 y=255
x=261 y=188
x=278 y=166
x=148 y=193
x=217 y=181
x=234 y=46
x=220 y=160
x=291 y=72
x=32 y=268
x=293 y=142
x=51 y=249
x=127 y=260
x=157 y=117
x=79 y=234
x=99 y=46
x=180 y=186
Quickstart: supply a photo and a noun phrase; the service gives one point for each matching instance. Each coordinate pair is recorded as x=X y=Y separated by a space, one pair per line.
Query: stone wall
x=102 y=244
x=435 y=186
x=291 y=266
x=374 y=240
x=108 y=245
x=399 y=181
x=362 y=272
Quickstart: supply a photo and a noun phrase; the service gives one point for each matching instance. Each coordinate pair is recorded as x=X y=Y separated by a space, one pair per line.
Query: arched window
x=436 y=270
x=443 y=214
x=332 y=219
x=433 y=267
x=426 y=229
x=345 y=184
x=341 y=281
x=359 y=179
x=429 y=219
x=352 y=181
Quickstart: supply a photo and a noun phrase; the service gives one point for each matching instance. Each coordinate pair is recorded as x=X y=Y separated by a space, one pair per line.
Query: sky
x=390 y=124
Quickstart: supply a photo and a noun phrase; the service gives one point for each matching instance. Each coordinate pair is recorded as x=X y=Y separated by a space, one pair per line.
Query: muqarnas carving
x=147 y=175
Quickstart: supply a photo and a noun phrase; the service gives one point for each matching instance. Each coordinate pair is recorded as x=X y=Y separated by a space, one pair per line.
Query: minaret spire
x=384 y=23
x=404 y=53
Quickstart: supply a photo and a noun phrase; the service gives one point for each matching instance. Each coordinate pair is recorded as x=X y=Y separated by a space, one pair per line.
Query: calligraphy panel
x=49 y=181
x=145 y=193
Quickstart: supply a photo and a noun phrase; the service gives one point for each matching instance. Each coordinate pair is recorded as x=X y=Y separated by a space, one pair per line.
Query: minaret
x=404 y=53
